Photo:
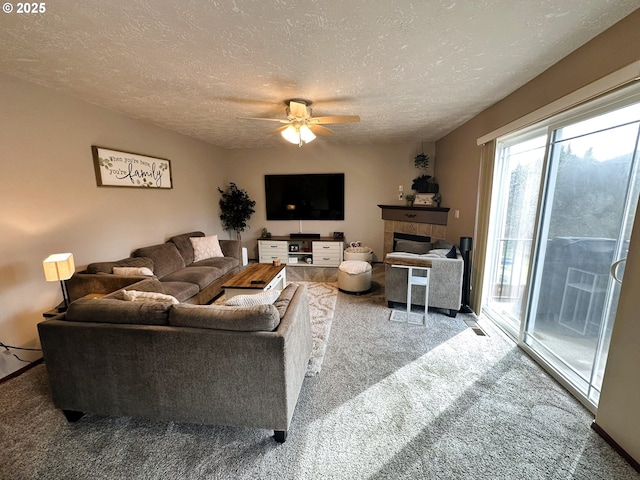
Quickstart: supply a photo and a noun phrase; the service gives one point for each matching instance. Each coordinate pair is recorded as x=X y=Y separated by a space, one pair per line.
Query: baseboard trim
x=613 y=444
x=19 y=372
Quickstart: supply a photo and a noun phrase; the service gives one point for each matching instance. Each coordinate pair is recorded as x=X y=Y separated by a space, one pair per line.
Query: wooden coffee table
x=256 y=278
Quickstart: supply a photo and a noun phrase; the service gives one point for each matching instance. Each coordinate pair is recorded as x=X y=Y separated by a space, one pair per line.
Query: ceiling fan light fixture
x=291 y=134
x=298 y=134
x=306 y=134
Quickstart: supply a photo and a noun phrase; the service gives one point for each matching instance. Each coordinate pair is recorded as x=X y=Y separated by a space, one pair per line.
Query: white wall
x=49 y=201
x=372 y=176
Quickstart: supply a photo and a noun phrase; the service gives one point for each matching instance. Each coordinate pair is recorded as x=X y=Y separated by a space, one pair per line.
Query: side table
x=417 y=280
x=54 y=312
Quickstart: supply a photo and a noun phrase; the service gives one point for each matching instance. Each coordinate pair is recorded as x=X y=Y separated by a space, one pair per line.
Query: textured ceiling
x=412 y=70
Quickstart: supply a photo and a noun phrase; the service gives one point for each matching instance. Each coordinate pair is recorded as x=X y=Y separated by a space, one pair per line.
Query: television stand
x=318 y=251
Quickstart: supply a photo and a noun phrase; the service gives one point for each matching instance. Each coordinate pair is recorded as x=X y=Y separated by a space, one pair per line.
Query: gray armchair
x=445 y=285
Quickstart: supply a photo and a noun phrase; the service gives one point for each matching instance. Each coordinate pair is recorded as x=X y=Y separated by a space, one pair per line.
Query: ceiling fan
x=300 y=126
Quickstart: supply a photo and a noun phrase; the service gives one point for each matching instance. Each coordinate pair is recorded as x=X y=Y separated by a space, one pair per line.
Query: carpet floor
x=393 y=400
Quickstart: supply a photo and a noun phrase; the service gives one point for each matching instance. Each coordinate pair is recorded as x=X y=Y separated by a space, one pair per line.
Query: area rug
x=322 y=305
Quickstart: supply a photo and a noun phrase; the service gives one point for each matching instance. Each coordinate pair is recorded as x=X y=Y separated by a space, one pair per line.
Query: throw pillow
x=411 y=246
x=133 y=271
x=452 y=253
x=263 y=298
x=206 y=247
x=138 y=296
x=439 y=244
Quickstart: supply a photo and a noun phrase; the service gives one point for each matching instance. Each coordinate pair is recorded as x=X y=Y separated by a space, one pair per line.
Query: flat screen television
x=311 y=196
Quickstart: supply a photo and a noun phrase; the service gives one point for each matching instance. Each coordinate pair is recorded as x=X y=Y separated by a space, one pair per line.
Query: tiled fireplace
x=424 y=221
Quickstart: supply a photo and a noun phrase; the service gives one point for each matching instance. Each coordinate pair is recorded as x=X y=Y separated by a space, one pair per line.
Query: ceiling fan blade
x=336 y=119
x=280 y=129
x=319 y=129
x=298 y=110
x=264 y=119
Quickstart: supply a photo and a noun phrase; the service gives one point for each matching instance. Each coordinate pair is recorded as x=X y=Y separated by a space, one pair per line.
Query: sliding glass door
x=513 y=217
x=564 y=202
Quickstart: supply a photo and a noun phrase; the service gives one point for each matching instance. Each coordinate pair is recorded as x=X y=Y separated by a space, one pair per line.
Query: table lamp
x=58 y=268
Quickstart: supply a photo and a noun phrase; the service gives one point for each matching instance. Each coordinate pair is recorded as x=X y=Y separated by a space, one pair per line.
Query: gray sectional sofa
x=445 y=283
x=180 y=362
x=172 y=263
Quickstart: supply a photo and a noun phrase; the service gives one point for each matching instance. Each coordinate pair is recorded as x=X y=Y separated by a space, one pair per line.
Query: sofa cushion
x=221 y=317
x=206 y=247
x=282 y=303
x=201 y=276
x=146 y=285
x=110 y=310
x=224 y=264
x=181 y=290
x=166 y=258
x=107 y=267
x=183 y=244
x=250 y=300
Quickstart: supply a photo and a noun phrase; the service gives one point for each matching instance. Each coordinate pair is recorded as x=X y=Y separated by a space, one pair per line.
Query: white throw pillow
x=206 y=247
x=133 y=271
x=137 y=296
x=263 y=298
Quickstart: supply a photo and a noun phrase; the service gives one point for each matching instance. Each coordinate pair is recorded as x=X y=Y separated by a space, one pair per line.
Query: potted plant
x=410 y=197
x=235 y=209
x=437 y=198
x=423 y=183
x=421 y=161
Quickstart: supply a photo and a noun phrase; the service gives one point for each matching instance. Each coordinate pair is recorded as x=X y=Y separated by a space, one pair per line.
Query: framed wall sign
x=425 y=199
x=123 y=169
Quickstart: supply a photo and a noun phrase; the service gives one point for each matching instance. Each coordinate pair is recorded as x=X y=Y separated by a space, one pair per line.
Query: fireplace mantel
x=400 y=213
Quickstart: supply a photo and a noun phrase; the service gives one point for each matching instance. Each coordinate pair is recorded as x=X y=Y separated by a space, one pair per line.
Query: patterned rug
x=322 y=305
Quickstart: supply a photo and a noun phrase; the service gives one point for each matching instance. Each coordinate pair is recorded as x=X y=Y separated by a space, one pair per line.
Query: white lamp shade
x=298 y=134
x=291 y=134
x=58 y=266
x=306 y=134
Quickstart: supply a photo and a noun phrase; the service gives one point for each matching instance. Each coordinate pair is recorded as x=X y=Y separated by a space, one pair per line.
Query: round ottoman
x=354 y=276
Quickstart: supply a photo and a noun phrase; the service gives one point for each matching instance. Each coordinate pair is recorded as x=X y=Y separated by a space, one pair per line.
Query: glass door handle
x=614 y=267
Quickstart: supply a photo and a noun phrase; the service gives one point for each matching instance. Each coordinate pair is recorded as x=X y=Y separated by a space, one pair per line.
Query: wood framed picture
x=124 y=169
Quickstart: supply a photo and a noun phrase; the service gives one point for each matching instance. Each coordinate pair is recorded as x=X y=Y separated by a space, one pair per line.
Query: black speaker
x=466 y=244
